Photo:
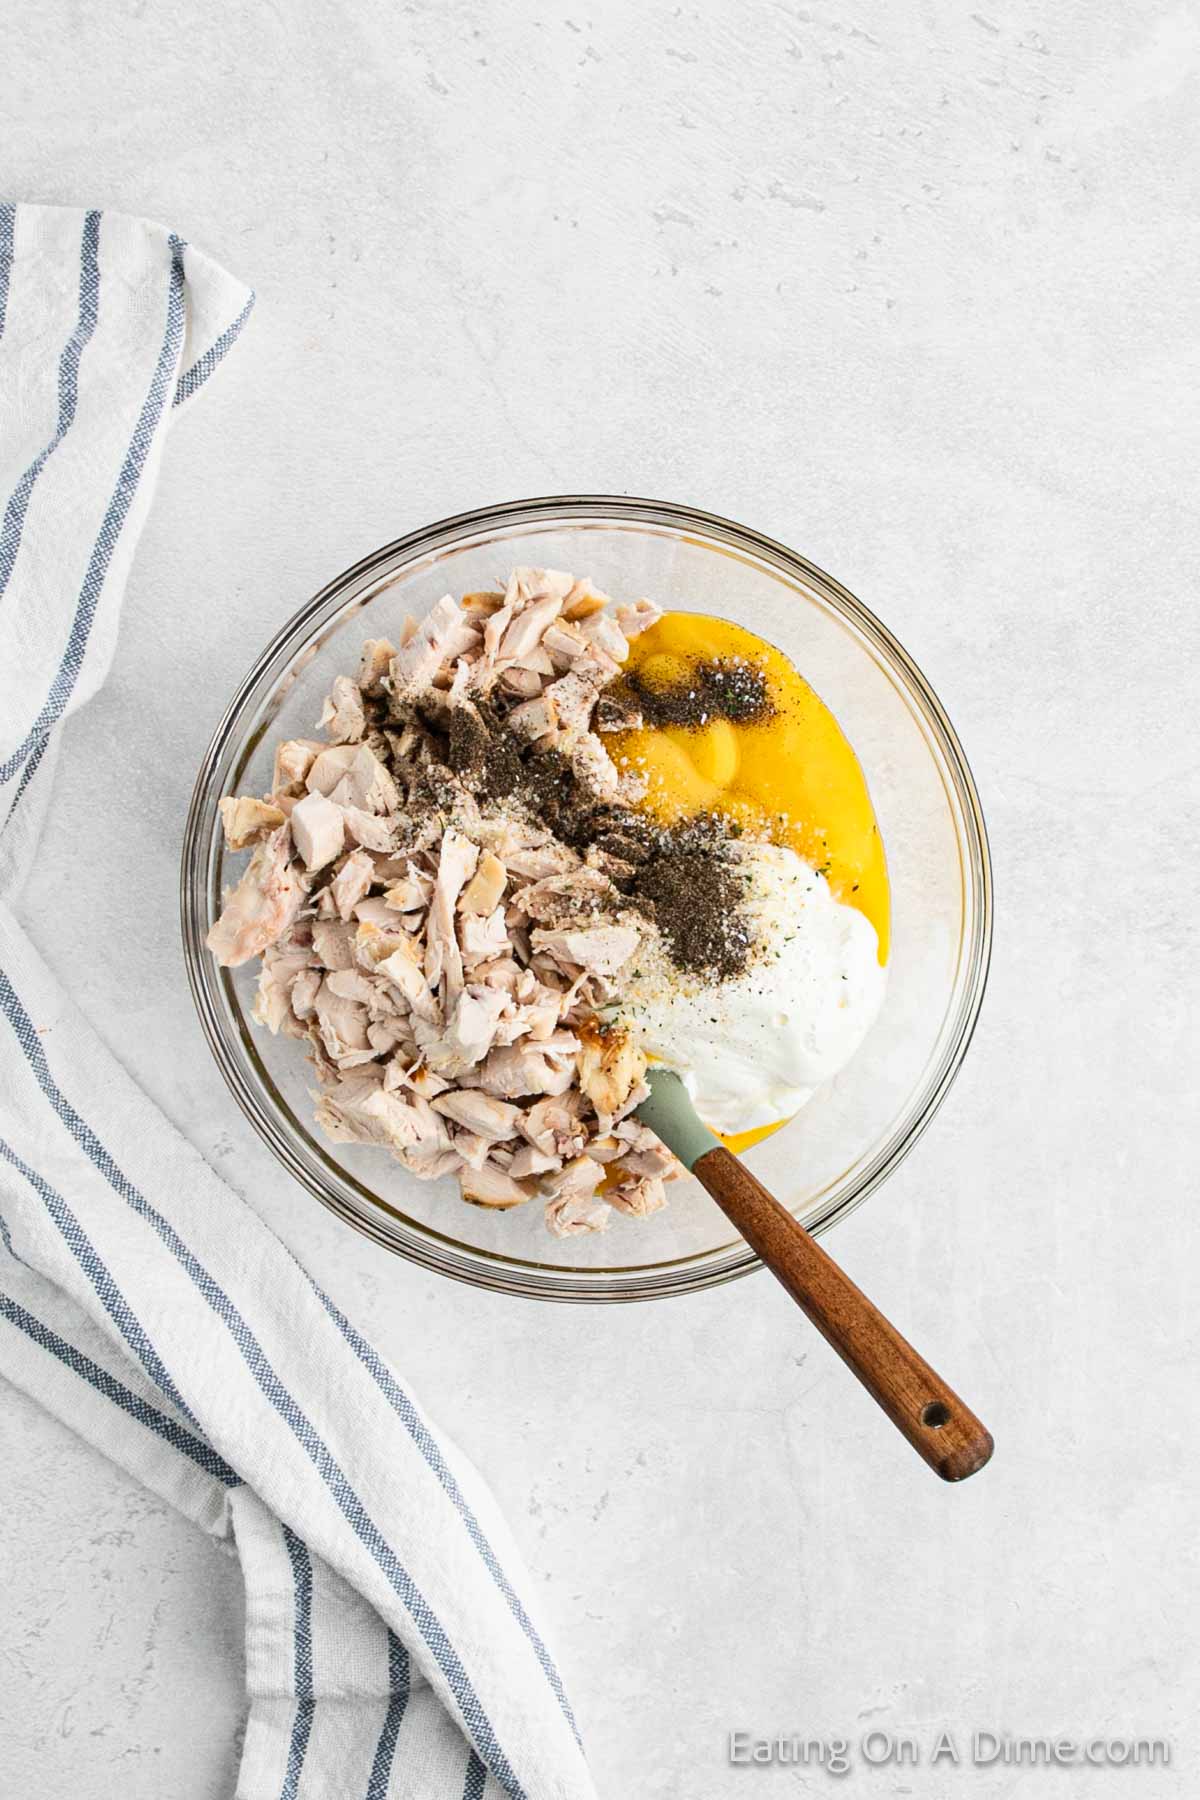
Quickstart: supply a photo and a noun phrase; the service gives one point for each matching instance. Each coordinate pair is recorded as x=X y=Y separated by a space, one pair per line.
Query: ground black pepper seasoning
x=722 y=688
x=686 y=878
x=693 y=887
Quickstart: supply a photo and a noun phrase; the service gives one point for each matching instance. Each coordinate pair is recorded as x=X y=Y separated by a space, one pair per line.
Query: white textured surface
x=910 y=288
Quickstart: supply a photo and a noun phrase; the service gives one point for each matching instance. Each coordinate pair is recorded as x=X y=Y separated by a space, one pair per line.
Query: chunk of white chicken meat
x=572 y=698
x=574 y=1210
x=577 y=1215
x=352 y=775
x=583 y=600
x=533 y=861
x=329 y=767
x=412 y=892
x=273 y=996
x=342 y=718
x=333 y=943
x=405 y=967
x=483 y=939
x=376 y=659
x=359 y=1111
x=293 y=759
x=374 y=910
x=246 y=821
x=565 y=898
x=390 y=1033
x=365 y=784
x=603 y=633
x=527 y=629
x=443 y=960
x=260 y=908
x=486 y=887
x=598 y=949
x=473 y=1150
x=466 y=1038
x=368 y=830
x=611 y=1065
x=638 y=617
x=427 y=1157
x=373 y=944
x=534 y=720
x=564 y=644
x=605 y=1149
x=537 y=1019
x=483 y=601
x=494 y=629
x=342 y=1025
x=580 y=1176
x=529 y=582
x=379 y=997
x=521 y=681
x=515 y=1070
x=639 y=1195
x=351 y=882
x=644 y=1153
x=493 y=1187
x=529 y=1160
x=303 y=993
x=440 y=637
x=318 y=830
x=494 y=1120
x=591 y=764
x=421 y=1080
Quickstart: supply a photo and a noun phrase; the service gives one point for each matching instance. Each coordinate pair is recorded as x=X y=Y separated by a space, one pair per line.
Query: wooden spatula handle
x=930 y=1414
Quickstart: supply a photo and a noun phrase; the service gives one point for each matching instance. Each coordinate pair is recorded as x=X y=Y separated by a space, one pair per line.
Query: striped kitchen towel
x=389 y=1647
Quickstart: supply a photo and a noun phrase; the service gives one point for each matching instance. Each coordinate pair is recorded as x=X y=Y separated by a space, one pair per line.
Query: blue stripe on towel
x=68 y=395
x=431 y=1450
x=8 y=220
x=302 y=1660
x=115 y=515
x=174 y=1434
x=28 y=773
x=202 y=368
x=93 y=1266
x=479 y=1726
x=476 y=1776
x=399 y=1682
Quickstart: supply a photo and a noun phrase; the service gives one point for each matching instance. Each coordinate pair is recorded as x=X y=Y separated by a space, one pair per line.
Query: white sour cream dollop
x=752 y=1050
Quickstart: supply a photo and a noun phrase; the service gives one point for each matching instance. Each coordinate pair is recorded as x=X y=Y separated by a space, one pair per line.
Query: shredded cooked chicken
x=446 y=958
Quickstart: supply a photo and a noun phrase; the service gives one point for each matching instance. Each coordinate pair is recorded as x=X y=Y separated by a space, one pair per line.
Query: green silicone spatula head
x=932 y=1417
x=671 y=1116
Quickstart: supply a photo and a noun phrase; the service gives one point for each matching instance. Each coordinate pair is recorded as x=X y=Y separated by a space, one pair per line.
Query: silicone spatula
x=938 y=1425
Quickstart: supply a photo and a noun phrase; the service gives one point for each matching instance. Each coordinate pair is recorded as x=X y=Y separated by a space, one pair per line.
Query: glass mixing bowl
x=855 y=1131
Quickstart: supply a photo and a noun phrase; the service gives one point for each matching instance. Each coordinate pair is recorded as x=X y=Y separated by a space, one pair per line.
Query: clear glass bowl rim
x=478 y=1267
